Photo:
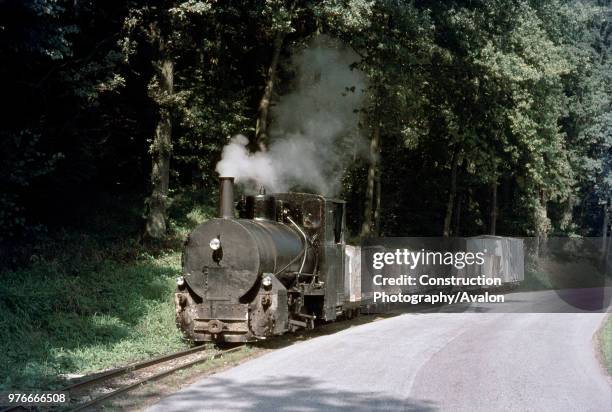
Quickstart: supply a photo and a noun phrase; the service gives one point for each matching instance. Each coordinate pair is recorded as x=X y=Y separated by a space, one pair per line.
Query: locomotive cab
x=276 y=268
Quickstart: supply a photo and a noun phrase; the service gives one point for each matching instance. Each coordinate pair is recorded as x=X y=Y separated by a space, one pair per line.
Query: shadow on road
x=297 y=393
x=321 y=330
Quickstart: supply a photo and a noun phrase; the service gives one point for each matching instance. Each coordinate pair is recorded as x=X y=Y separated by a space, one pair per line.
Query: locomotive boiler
x=277 y=267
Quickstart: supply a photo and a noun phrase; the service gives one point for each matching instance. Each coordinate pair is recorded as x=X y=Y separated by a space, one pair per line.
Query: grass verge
x=91 y=299
x=54 y=324
x=605 y=339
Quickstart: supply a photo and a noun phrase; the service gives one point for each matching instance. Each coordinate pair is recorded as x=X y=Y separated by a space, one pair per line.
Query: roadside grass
x=553 y=272
x=606 y=343
x=92 y=300
x=534 y=280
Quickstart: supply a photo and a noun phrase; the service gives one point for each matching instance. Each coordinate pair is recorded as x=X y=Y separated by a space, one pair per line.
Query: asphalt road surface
x=421 y=362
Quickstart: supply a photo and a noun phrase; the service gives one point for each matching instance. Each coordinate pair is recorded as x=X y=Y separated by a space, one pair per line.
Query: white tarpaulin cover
x=504 y=258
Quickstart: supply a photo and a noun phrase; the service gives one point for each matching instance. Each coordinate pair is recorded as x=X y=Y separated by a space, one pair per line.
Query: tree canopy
x=482 y=116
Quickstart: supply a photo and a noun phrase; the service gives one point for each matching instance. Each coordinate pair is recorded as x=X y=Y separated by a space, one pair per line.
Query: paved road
x=421 y=362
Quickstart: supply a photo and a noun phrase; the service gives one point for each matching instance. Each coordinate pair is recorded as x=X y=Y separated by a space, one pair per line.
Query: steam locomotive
x=284 y=263
x=276 y=268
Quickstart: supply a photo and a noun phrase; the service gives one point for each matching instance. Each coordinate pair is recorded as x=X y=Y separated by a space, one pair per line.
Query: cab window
x=338 y=210
x=312 y=213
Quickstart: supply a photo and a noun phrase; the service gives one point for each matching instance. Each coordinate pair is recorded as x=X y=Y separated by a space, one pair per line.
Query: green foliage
x=493 y=83
x=93 y=298
x=515 y=92
x=79 y=323
x=22 y=161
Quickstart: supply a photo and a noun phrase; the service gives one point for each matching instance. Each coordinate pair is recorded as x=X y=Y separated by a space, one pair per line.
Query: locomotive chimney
x=226 y=197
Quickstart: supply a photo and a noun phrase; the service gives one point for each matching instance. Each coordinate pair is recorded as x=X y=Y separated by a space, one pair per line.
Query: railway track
x=76 y=390
x=105 y=379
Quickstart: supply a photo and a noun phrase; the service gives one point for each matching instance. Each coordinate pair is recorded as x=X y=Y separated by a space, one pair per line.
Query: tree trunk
x=161 y=150
x=368 y=223
x=542 y=223
x=493 y=221
x=604 y=229
x=606 y=257
x=261 y=128
x=565 y=223
x=378 y=200
x=451 y=196
x=458 y=202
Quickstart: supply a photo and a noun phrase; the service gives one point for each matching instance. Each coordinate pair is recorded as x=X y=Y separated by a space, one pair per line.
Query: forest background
x=482 y=116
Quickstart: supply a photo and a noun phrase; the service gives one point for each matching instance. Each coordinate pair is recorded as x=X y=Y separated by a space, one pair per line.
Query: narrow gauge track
x=99 y=378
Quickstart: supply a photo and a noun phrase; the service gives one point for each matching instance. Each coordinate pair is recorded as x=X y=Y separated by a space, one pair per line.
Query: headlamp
x=215 y=243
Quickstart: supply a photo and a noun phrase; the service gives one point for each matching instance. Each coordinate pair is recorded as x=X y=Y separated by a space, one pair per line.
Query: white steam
x=314 y=132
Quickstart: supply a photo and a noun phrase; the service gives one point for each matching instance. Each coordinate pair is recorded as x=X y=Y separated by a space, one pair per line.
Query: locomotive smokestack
x=226 y=197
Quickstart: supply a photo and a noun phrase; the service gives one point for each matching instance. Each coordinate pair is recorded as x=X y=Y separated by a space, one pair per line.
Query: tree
x=394 y=45
x=279 y=23
x=60 y=59
x=161 y=25
x=481 y=116
x=161 y=88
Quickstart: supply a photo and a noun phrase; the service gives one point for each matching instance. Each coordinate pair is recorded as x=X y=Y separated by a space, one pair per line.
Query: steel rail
x=150 y=379
x=89 y=380
x=100 y=377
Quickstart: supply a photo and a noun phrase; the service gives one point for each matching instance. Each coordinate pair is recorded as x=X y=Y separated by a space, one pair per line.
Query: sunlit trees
x=481 y=116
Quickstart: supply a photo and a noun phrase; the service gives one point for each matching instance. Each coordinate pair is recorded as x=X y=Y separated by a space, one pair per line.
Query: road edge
x=598 y=341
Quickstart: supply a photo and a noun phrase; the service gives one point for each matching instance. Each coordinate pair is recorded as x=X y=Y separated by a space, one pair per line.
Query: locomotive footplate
x=227 y=321
x=217 y=326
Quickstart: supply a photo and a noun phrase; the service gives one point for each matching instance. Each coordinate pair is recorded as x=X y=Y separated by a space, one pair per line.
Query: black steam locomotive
x=276 y=268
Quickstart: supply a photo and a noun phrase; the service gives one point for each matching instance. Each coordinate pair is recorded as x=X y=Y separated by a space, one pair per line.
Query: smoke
x=314 y=133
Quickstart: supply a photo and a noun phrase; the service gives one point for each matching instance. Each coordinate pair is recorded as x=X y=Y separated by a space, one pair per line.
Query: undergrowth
x=92 y=299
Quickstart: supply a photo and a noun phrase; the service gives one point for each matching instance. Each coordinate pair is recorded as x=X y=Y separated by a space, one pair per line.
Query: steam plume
x=314 y=133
